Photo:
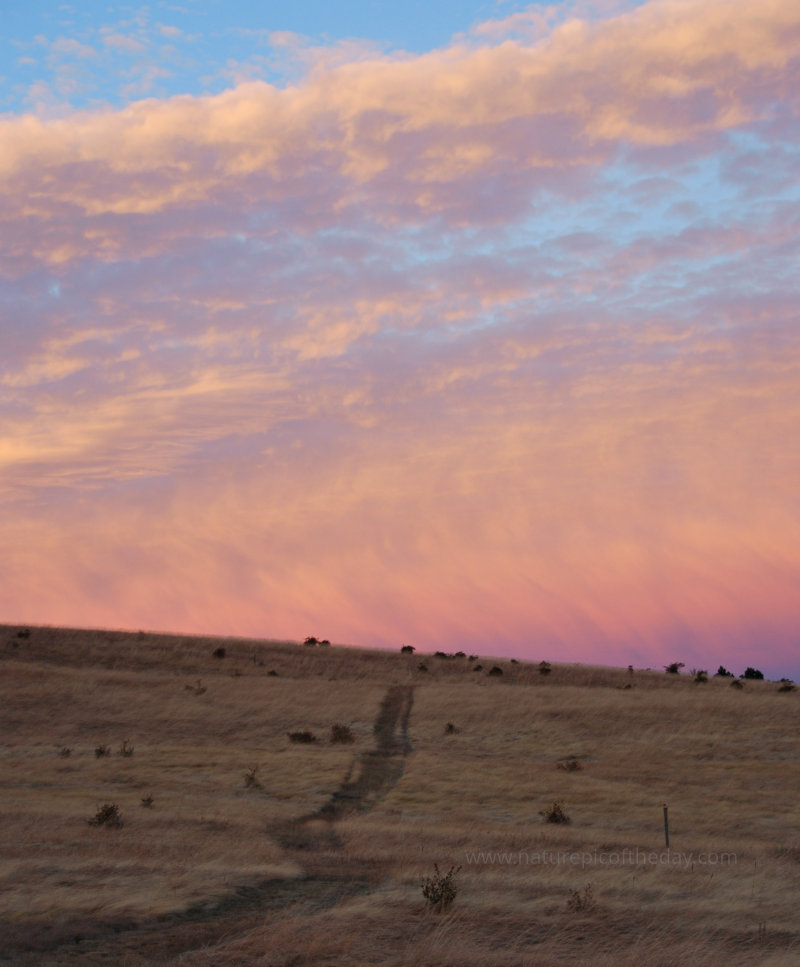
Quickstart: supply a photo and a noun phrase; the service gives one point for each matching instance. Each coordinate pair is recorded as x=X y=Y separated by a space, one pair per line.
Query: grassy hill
x=157 y=810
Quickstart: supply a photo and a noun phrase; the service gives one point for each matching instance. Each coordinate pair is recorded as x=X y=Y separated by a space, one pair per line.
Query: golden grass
x=221 y=872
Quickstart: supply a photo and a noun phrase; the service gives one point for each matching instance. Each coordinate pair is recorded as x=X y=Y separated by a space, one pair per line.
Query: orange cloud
x=485 y=348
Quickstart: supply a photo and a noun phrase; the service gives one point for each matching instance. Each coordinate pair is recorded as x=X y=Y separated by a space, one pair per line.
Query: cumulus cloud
x=496 y=343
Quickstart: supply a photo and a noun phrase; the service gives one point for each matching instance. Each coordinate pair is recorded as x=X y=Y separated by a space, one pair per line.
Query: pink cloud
x=406 y=135
x=449 y=350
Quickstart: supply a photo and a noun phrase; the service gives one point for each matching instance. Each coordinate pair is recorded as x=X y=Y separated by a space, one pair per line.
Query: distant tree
x=407 y=650
x=674 y=668
x=722 y=672
x=752 y=673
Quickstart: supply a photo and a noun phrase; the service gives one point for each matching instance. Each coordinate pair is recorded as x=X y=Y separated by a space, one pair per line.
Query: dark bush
x=701 y=676
x=342 y=735
x=310 y=641
x=101 y=750
x=407 y=650
x=555 y=814
x=737 y=683
x=752 y=673
x=303 y=737
x=440 y=890
x=544 y=668
x=107 y=815
x=495 y=670
x=722 y=672
x=674 y=668
x=218 y=653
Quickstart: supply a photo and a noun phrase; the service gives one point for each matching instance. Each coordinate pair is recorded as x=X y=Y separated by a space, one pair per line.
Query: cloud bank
x=493 y=347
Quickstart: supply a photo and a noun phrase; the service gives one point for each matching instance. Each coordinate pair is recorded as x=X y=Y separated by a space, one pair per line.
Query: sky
x=466 y=326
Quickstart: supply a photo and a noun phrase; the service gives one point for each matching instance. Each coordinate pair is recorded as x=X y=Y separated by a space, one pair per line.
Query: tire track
x=329 y=878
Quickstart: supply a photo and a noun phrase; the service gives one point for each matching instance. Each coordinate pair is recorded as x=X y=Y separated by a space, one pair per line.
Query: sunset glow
x=492 y=345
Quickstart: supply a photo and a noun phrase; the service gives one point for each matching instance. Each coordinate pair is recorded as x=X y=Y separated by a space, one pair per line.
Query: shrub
x=310 y=641
x=478 y=668
x=674 y=668
x=737 y=683
x=272 y=673
x=147 y=802
x=342 y=735
x=581 y=902
x=700 y=676
x=440 y=890
x=752 y=673
x=218 y=653
x=24 y=633
x=722 y=672
x=555 y=814
x=461 y=654
x=305 y=738
x=495 y=670
x=250 y=780
x=786 y=687
x=544 y=668
x=450 y=729
x=65 y=752
x=440 y=654
x=407 y=650
x=107 y=815
x=101 y=750
x=325 y=643
x=422 y=667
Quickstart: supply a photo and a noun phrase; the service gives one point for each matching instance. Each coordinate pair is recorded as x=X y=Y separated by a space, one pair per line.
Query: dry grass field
x=225 y=843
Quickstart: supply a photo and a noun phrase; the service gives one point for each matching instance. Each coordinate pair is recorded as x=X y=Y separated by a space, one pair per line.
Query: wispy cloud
x=492 y=344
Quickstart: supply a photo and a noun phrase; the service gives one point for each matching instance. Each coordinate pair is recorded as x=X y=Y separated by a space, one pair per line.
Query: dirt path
x=311 y=840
